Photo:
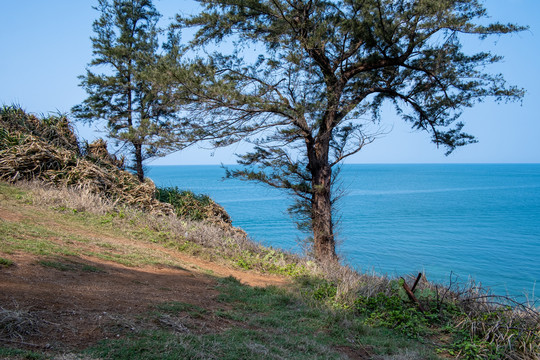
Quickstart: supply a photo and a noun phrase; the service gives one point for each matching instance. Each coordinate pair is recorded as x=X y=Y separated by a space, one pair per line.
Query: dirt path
x=94 y=299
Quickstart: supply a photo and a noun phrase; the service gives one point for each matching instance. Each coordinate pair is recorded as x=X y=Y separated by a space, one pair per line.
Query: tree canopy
x=322 y=67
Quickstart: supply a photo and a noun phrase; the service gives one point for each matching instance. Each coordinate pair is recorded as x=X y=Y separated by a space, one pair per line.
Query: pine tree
x=137 y=113
x=327 y=66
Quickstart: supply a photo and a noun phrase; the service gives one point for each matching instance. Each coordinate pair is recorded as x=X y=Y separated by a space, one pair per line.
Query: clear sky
x=45 y=45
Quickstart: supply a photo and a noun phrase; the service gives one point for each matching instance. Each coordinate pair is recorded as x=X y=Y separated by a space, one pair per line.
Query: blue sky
x=46 y=45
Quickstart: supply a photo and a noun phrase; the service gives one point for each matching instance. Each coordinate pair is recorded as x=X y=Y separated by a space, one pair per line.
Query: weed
x=6 y=262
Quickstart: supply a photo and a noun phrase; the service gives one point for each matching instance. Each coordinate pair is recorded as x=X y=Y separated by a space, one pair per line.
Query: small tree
x=326 y=65
x=136 y=110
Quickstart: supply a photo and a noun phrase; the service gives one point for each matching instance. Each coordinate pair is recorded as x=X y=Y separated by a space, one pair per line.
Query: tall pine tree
x=136 y=112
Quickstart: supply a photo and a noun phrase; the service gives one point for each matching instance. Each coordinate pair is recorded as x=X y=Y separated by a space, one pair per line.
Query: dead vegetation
x=18 y=323
x=47 y=150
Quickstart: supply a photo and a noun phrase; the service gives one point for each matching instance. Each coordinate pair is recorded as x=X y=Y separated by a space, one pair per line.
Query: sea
x=453 y=222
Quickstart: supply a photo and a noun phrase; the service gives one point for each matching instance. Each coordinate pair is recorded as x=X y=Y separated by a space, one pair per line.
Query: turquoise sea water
x=479 y=221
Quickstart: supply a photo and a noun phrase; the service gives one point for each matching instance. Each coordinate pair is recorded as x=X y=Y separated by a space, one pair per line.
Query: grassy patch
x=271 y=324
x=33 y=239
x=8 y=353
x=70 y=266
x=6 y=262
x=11 y=192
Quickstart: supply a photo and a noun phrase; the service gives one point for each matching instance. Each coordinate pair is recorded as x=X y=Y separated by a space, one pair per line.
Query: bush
x=193 y=206
x=186 y=203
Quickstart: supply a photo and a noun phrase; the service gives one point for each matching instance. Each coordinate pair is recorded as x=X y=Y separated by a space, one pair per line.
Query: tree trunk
x=321 y=206
x=138 y=161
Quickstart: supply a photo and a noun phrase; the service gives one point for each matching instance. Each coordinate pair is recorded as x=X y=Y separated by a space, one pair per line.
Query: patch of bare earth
x=74 y=309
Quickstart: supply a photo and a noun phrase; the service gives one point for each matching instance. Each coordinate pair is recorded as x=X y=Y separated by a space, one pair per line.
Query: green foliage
x=395 y=310
x=464 y=347
x=6 y=262
x=324 y=290
x=393 y=313
x=186 y=203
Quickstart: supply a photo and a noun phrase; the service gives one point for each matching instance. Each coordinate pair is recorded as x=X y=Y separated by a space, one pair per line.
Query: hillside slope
x=78 y=282
x=72 y=279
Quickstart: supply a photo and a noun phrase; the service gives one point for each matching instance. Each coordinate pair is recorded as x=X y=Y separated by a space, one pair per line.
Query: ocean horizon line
x=381 y=163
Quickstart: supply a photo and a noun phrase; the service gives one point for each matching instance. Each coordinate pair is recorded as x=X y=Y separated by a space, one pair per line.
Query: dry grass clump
x=16 y=324
x=350 y=283
x=76 y=198
x=498 y=325
x=97 y=151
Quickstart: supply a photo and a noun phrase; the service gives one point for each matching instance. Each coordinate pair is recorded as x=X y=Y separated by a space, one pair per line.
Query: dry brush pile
x=46 y=149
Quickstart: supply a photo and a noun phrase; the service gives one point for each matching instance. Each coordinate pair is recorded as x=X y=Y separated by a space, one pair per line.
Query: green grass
x=70 y=234
x=33 y=239
x=268 y=323
x=6 y=262
x=11 y=192
x=8 y=353
x=70 y=266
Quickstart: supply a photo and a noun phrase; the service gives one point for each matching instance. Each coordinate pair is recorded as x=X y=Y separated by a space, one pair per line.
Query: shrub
x=186 y=203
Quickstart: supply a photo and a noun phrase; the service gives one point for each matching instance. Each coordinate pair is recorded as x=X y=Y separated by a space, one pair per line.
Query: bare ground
x=76 y=308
